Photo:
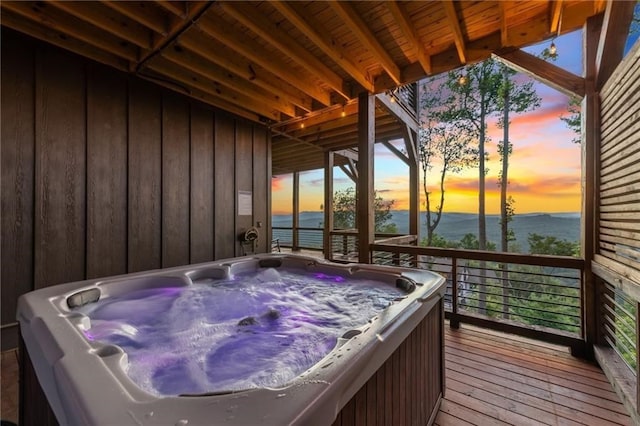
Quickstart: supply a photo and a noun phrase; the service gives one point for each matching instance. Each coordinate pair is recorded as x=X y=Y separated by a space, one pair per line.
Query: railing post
x=454 y=323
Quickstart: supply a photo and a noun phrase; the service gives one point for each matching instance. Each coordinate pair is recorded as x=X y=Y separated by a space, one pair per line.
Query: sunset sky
x=544 y=170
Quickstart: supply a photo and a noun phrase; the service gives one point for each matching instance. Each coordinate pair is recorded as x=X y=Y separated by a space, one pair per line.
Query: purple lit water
x=259 y=329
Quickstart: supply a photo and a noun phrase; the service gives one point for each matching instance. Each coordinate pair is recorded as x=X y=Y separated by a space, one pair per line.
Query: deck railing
x=533 y=295
x=299 y=238
x=619 y=313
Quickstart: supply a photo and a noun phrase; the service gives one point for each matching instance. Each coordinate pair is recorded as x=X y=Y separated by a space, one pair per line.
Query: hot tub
x=389 y=368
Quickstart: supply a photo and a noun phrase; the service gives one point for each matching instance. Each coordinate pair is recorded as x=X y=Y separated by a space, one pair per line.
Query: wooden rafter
x=543 y=71
x=454 y=23
x=275 y=36
x=202 y=45
x=504 y=27
x=404 y=22
x=26 y=26
x=208 y=70
x=324 y=42
x=190 y=79
x=615 y=28
x=195 y=93
x=71 y=26
x=245 y=46
x=178 y=26
x=556 y=16
x=173 y=7
x=350 y=17
x=141 y=12
x=107 y=20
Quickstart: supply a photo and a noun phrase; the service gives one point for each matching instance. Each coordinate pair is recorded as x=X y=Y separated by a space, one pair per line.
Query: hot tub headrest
x=83 y=297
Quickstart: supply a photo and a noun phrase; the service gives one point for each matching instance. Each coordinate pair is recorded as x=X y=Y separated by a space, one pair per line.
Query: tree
x=573 y=120
x=344 y=211
x=541 y=244
x=514 y=98
x=474 y=99
x=444 y=141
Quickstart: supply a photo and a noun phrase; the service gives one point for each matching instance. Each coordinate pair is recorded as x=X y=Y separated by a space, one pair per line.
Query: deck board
x=492 y=379
x=496 y=379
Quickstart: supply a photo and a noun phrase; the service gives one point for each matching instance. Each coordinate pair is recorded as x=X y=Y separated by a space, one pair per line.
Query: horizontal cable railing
x=299 y=238
x=619 y=324
x=539 y=293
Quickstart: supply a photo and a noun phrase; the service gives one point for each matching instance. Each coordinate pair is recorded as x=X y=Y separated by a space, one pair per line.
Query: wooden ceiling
x=285 y=63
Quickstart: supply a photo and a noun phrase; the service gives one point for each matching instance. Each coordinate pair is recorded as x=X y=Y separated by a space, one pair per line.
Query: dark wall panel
x=106 y=173
x=225 y=234
x=261 y=206
x=244 y=177
x=145 y=178
x=60 y=208
x=17 y=155
x=202 y=163
x=175 y=181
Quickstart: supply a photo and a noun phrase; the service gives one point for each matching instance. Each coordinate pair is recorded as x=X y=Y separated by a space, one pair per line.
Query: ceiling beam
x=201 y=96
x=615 y=29
x=143 y=13
x=397 y=111
x=352 y=19
x=403 y=20
x=189 y=79
x=274 y=35
x=504 y=27
x=107 y=20
x=173 y=7
x=555 y=20
x=214 y=52
x=324 y=42
x=48 y=16
x=454 y=24
x=247 y=47
x=541 y=70
x=195 y=11
x=56 y=38
x=208 y=70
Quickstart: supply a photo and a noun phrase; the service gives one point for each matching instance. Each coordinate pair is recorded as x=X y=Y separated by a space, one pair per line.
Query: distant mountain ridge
x=454 y=226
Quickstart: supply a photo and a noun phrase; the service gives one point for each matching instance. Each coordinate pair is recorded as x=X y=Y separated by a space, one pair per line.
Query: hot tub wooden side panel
x=408 y=387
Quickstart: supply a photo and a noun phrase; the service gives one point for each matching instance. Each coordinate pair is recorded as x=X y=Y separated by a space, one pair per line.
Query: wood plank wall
x=617 y=259
x=407 y=388
x=104 y=173
x=619 y=195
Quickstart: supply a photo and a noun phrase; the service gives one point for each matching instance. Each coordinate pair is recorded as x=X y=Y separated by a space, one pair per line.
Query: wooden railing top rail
x=523 y=259
x=399 y=239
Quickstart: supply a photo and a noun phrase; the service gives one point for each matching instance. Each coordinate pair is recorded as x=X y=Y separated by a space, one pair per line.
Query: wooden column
x=366 y=139
x=296 y=210
x=590 y=171
x=414 y=183
x=328 y=204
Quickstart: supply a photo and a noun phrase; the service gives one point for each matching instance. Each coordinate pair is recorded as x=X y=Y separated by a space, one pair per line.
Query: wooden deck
x=498 y=379
x=492 y=379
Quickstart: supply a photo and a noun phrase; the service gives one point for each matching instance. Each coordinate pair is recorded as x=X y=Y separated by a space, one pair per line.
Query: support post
x=366 y=139
x=328 y=204
x=296 y=211
x=590 y=199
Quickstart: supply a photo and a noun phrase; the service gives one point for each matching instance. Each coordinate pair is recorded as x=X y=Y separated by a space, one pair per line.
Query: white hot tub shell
x=85 y=382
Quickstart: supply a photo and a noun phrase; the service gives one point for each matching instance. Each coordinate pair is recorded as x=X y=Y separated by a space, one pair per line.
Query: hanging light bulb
x=302 y=125
x=463 y=80
x=553 y=50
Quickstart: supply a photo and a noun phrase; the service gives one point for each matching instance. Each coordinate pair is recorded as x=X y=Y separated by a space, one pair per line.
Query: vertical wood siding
x=103 y=173
x=407 y=388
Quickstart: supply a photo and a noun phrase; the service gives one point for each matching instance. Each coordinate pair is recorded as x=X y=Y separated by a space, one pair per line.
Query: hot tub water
x=257 y=329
